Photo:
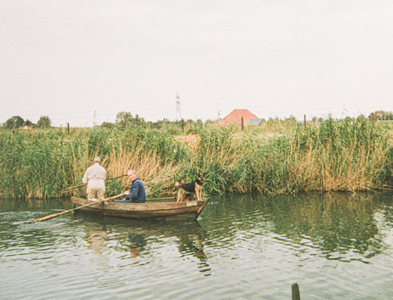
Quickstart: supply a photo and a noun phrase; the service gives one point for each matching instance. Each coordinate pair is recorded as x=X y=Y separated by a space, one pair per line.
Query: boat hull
x=188 y=210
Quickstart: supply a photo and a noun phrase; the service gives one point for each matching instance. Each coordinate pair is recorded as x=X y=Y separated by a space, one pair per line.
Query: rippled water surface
x=335 y=246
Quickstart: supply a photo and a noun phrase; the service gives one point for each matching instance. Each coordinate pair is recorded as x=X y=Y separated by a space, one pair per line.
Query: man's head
x=131 y=175
x=96 y=159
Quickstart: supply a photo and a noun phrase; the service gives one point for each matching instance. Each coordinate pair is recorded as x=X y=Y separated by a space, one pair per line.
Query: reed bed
x=277 y=157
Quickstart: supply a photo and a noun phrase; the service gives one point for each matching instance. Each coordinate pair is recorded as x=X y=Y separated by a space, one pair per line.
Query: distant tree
x=381 y=115
x=14 y=121
x=44 y=122
x=28 y=123
x=124 y=116
x=161 y=123
x=139 y=120
x=107 y=125
x=292 y=119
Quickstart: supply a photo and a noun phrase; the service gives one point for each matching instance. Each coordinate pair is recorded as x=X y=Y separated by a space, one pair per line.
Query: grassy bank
x=276 y=157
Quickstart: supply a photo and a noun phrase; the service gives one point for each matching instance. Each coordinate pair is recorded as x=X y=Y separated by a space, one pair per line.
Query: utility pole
x=95 y=119
x=178 y=114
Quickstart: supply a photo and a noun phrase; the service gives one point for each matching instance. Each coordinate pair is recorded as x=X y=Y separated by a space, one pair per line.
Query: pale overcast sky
x=71 y=60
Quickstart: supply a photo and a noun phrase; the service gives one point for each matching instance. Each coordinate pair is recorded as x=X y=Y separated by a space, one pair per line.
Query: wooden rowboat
x=154 y=208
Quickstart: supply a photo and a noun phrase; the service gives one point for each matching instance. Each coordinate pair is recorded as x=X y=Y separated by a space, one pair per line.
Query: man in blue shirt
x=137 y=192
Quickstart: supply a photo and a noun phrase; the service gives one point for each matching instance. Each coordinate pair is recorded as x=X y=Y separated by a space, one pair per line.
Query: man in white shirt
x=95 y=177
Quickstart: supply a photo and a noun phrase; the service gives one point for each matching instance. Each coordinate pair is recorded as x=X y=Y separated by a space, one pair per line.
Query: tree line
x=382 y=115
x=122 y=119
x=17 y=122
x=127 y=119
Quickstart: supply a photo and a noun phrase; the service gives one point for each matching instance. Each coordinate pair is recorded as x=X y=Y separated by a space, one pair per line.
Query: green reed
x=276 y=157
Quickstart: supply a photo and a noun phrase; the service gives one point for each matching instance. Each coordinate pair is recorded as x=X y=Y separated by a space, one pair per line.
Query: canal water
x=334 y=246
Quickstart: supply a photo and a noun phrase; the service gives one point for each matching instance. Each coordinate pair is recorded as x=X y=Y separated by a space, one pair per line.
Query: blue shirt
x=137 y=192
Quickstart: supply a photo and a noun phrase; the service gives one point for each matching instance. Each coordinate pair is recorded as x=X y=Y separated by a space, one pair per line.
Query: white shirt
x=94 y=172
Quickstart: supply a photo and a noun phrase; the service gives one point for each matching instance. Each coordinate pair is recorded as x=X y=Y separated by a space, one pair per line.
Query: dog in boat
x=194 y=187
x=180 y=182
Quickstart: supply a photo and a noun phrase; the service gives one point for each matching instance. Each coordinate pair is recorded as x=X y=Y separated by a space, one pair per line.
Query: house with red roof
x=235 y=117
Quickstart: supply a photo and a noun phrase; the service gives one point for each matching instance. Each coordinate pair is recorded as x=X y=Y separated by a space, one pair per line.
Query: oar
x=79 y=207
x=199 y=211
x=75 y=187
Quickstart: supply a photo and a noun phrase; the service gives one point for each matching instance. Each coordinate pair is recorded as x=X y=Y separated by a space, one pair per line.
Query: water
x=335 y=246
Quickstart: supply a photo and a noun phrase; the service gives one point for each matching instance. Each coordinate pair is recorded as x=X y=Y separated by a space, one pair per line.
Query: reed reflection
x=337 y=223
x=31 y=205
x=340 y=226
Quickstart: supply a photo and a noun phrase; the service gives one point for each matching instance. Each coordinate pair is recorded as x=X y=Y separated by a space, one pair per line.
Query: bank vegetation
x=275 y=157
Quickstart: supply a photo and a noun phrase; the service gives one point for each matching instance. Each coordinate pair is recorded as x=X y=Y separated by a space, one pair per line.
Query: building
x=254 y=122
x=235 y=117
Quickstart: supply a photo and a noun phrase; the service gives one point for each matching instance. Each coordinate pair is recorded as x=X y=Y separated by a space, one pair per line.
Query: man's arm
x=134 y=190
x=128 y=196
x=84 y=180
x=131 y=193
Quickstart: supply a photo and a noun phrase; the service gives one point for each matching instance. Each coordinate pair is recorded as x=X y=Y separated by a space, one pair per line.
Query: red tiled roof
x=236 y=116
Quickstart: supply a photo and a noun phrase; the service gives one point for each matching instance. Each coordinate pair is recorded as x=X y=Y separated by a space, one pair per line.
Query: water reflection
x=141 y=237
x=339 y=226
x=31 y=204
x=252 y=247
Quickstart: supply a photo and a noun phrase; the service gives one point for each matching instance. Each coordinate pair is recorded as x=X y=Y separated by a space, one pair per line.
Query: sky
x=81 y=62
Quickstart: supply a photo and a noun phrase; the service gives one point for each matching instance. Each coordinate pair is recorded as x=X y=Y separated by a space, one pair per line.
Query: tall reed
x=274 y=158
